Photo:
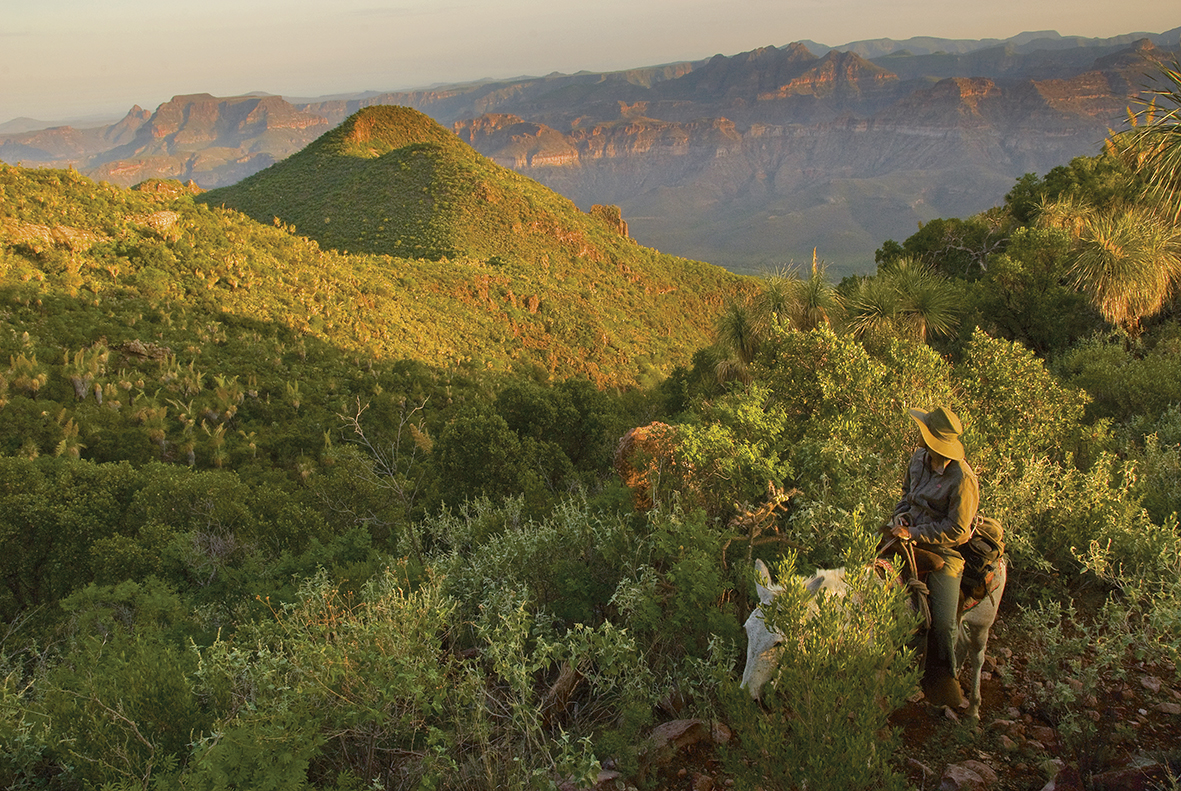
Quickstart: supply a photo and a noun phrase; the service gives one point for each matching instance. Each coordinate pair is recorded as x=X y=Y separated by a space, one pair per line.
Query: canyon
x=750 y=161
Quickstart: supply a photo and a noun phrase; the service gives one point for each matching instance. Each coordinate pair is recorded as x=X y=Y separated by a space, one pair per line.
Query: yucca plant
x=738 y=332
x=928 y=303
x=907 y=298
x=871 y=309
x=1152 y=146
x=1128 y=263
x=805 y=303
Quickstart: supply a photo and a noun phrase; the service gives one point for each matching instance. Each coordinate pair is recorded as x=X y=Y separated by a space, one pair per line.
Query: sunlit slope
x=627 y=315
x=532 y=276
x=392 y=181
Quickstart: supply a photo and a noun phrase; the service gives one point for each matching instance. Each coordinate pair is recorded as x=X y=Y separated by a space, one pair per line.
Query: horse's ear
x=763 y=582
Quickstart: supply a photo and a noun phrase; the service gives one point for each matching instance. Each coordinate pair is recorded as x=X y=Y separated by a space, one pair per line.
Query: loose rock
x=986 y=772
x=1043 y=734
x=606 y=781
x=959 y=777
x=1133 y=778
x=928 y=772
x=667 y=740
x=1066 y=780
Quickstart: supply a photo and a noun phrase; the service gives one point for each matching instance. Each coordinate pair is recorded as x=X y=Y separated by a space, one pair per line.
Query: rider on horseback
x=936 y=511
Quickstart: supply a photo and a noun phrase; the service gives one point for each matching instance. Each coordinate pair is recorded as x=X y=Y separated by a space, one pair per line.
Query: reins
x=913 y=584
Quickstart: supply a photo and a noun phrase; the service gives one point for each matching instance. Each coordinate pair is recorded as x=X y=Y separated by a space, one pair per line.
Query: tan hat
x=941 y=429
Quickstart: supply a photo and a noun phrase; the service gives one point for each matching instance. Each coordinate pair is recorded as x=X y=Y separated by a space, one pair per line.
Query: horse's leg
x=974 y=632
x=975 y=627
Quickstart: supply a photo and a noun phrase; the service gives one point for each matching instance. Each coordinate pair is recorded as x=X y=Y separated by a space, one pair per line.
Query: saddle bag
x=982 y=555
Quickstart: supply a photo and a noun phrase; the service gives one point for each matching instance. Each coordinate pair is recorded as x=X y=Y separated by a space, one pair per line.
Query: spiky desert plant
x=738 y=333
x=1068 y=214
x=906 y=298
x=1152 y=146
x=774 y=300
x=871 y=309
x=815 y=300
x=928 y=303
x=803 y=302
x=1128 y=263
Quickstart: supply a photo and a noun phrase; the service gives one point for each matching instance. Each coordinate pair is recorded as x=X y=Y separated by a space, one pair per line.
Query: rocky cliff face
x=748 y=160
x=797 y=152
x=210 y=140
x=64 y=146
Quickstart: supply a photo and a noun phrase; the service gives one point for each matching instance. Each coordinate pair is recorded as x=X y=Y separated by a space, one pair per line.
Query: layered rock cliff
x=833 y=152
x=748 y=160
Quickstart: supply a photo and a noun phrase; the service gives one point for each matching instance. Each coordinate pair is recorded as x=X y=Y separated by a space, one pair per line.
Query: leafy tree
x=954 y=247
x=478 y=454
x=124 y=708
x=573 y=414
x=54 y=509
x=1101 y=181
x=1026 y=295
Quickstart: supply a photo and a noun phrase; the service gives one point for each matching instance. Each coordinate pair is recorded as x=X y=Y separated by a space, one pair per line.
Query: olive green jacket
x=940 y=505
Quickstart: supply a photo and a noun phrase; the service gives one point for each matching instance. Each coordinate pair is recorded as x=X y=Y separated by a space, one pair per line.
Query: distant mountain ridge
x=1028 y=41
x=748 y=161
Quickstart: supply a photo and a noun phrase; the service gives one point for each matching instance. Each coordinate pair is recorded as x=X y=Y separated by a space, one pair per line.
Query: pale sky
x=63 y=59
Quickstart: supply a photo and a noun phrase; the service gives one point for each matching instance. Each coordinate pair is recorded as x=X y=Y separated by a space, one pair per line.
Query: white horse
x=763 y=646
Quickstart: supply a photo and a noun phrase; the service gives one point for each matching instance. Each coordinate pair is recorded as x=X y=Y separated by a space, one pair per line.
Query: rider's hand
x=899 y=525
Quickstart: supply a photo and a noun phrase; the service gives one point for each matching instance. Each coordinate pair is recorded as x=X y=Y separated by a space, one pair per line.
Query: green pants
x=944 y=585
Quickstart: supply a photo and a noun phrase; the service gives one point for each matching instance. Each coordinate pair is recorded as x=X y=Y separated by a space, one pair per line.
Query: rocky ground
x=1117 y=732
x=1114 y=733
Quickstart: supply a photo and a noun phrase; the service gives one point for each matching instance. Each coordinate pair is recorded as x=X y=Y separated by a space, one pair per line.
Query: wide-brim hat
x=941 y=429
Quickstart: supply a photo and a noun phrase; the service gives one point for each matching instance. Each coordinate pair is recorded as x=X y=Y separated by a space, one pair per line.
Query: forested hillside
x=277 y=516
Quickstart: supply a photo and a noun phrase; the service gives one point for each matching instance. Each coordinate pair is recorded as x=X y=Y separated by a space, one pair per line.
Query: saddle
x=982 y=553
x=939 y=683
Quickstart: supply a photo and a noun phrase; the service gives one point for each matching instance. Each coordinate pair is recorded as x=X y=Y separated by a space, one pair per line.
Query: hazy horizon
x=67 y=59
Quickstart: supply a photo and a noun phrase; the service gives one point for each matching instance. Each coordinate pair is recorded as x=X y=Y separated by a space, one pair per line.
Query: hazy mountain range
x=748 y=161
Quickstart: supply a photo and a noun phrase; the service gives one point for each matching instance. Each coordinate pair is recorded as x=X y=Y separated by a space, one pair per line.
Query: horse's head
x=763 y=645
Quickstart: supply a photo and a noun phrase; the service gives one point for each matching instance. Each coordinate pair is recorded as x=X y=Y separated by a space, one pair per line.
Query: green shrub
x=728 y=458
x=1125 y=379
x=1158 y=463
x=844 y=670
x=120 y=705
x=334 y=682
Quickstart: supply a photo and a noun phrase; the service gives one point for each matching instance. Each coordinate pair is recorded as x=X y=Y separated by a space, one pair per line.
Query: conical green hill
x=392 y=181
x=515 y=272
